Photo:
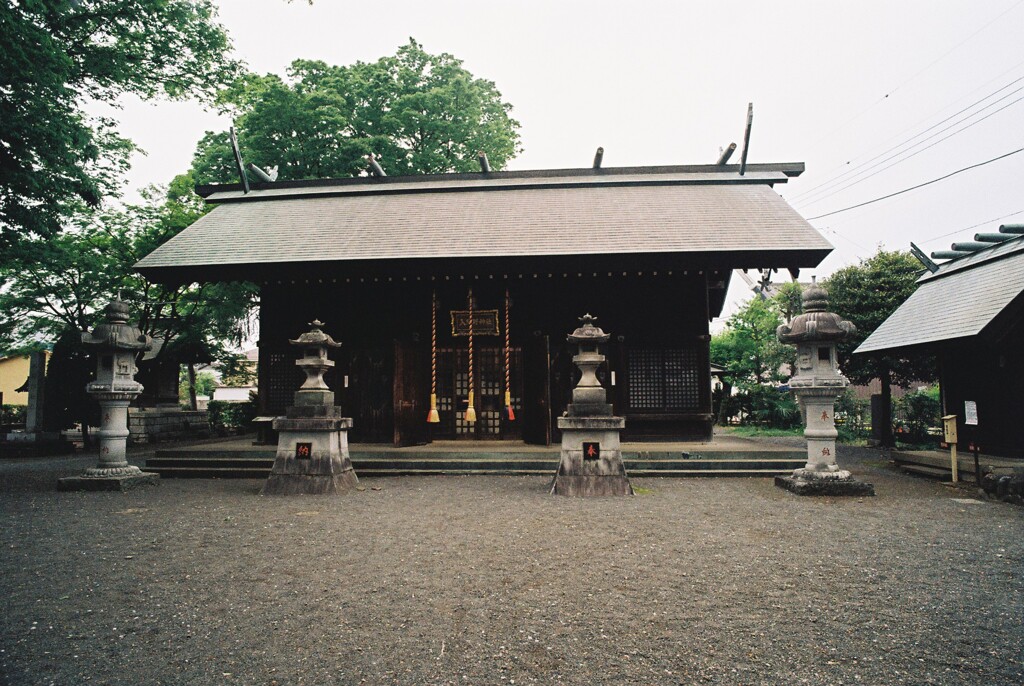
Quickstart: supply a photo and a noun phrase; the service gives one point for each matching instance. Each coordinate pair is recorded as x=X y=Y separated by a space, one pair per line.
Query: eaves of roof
x=960 y=301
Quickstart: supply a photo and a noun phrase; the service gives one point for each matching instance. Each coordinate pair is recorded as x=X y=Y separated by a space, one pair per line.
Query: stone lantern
x=115 y=344
x=312 y=447
x=817 y=383
x=591 y=458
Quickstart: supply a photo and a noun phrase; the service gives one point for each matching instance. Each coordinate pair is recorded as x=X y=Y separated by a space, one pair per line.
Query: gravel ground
x=488 y=580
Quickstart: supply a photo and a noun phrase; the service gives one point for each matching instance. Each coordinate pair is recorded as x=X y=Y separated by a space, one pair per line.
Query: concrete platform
x=724 y=456
x=937 y=464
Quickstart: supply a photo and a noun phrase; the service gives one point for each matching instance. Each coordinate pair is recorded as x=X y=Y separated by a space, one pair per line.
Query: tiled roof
x=609 y=213
x=957 y=301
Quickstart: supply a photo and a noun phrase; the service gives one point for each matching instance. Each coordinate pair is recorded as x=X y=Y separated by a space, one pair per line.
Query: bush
x=228 y=417
x=919 y=412
x=13 y=414
x=851 y=415
x=773 y=408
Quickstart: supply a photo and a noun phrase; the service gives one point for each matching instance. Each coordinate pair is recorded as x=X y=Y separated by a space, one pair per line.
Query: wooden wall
x=653 y=319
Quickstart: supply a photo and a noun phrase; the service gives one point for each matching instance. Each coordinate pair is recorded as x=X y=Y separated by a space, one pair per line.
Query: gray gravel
x=487 y=580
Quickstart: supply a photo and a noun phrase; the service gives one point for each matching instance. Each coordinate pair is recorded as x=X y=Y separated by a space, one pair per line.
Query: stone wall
x=153 y=425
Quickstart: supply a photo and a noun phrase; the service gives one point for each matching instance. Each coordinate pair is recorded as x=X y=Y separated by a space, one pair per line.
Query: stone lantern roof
x=116 y=333
x=816 y=324
x=315 y=337
x=589 y=332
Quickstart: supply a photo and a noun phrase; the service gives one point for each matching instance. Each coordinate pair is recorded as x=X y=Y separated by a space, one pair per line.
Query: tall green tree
x=52 y=289
x=866 y=294
x=755 y=362
x=59 y=54
x=418 y=113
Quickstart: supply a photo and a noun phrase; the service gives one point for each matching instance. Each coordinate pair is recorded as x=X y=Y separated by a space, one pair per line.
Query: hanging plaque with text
x=485 y=322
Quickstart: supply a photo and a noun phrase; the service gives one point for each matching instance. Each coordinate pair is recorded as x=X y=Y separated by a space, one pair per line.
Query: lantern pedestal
x=312 y=455
x=112 y=471
x=312 y=446
x=591 y=460
x=834 y=483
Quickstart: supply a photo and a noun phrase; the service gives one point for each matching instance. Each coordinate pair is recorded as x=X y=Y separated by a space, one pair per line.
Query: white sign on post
x=970 y=413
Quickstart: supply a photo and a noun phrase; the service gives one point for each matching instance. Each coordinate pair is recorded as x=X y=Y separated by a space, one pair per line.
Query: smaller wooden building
x=393 y=265
x=969 y=313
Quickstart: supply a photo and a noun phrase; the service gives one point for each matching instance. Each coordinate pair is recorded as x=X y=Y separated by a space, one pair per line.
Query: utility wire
x=946 y=54
x=972 y=226
x=853 y=170
x=920 y=185
x=912 y=77
x=916 y=153
x=913 y=126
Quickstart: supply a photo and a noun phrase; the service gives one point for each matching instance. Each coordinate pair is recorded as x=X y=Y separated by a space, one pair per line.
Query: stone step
x=932 y=472
x=183 y=466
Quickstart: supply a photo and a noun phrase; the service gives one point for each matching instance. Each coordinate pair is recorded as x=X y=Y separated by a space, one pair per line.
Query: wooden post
x=746 y=139
x=949 y=435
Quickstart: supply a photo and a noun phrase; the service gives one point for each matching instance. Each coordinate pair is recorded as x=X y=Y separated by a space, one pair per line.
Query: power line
x=920 y=185
x=914 y=76
x=946 y=54
x=918 y=152
x=835 y=179
x=920 y=122
x=972 y=226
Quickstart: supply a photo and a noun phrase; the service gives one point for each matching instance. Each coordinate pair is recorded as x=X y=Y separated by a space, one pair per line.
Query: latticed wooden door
x=489 y=379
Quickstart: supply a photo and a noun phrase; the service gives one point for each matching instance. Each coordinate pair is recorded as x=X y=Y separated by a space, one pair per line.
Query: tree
x=55 y=288
x=57 y=54
x=417 y=112
x=866 y=294
x=754 y=361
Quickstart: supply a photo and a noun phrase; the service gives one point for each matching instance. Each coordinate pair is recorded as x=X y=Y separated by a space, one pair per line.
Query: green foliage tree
x=866 y=294
x=921 y=411
x=202 y=383
x=56 y=55
x=69 y=370
x=754 y=361
x=49 y=287
x=418 y=113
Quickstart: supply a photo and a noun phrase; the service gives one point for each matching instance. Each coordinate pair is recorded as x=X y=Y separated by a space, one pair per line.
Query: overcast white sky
x=834 y=84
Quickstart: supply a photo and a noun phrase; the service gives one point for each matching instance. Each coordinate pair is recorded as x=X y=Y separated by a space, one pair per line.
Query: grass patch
x=753 y=431
x=639 y=490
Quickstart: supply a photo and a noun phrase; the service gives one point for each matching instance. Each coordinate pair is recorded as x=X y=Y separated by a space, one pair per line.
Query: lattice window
x=283 y=378
x=664 y=380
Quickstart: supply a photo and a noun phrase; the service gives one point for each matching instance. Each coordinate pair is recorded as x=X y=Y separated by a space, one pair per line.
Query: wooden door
x=536 y=412
x=411 y=395
x=370 y=395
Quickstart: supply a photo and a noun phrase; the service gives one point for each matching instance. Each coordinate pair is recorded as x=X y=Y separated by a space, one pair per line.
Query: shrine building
x=465 y=285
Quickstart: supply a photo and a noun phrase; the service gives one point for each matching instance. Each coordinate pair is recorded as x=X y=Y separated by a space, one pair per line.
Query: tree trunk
x=193 y=404
x=885 y=378
x=723 y=401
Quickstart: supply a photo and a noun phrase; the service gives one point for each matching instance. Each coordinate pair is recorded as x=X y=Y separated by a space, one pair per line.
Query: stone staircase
x=255 y=463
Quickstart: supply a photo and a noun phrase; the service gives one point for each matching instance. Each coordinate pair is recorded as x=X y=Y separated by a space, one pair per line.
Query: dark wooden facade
x=992 y=377
x=658 y=352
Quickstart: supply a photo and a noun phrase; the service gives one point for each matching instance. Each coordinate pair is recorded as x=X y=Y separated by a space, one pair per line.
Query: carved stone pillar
x=817 y=383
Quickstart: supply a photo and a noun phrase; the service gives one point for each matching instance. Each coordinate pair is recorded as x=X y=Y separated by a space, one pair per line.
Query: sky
x=875 y=97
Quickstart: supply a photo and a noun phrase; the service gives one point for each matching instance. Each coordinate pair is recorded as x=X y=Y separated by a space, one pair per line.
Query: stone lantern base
x=813 y=482
x=108 y=479
x=112 y=472
x=312 y=455
x=591 y=461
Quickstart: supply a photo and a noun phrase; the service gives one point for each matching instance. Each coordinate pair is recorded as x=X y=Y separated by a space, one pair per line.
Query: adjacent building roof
x=648 y=210
x=960 y=300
